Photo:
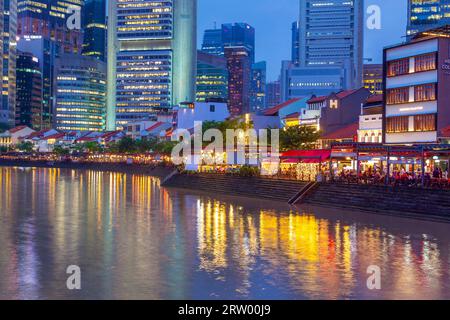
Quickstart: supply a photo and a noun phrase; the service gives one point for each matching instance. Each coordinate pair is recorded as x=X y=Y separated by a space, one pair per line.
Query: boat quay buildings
x=417 y=86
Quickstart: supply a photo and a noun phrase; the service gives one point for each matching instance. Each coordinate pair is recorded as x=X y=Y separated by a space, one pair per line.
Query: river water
x=133 y=239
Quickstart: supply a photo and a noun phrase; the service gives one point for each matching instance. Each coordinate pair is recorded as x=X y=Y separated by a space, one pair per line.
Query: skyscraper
x=29 y=91
x=80 y=87
x=273 y=94
x=43 y=30
x=212 y=42
x=94 y=28
x=48 y=19
x=229 y=35
x=331 y=34
x=212 y=77
x=151 y=57
x=423 y=15
x=330 y=49
x=295 y=45
x=239 y=81
x=258 y=86
x=8 y=52
x=373 y=78
x=239 y=35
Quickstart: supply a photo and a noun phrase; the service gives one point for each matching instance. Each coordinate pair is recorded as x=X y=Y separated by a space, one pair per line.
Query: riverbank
x=151 y=170
x=417 y=203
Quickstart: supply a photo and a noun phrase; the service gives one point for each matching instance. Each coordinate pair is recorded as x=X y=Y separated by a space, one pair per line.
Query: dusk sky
x=272 y=20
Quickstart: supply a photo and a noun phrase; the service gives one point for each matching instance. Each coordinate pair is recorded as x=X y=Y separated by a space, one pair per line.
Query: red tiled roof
x=87 y=139
x=273 y=111
x=17 y=129
x=347 y=132
x=37 y=134
x=346 y=93
x=156 y=125
x=55 y=136
x=375 y=98
x=317 y=99
x=293 y=115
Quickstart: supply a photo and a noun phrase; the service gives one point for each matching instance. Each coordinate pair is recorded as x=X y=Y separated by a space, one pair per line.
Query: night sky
x=272 y=20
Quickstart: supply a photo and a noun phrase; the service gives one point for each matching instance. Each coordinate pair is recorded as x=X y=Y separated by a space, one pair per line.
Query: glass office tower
x=94 y=28
x=151 y=58
x=423 y=15
x=9 y=46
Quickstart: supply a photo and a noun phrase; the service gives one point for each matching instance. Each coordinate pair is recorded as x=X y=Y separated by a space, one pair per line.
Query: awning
x=305 y=156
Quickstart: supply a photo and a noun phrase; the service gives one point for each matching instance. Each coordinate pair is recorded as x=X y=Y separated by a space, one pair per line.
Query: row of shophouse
x=415 y=108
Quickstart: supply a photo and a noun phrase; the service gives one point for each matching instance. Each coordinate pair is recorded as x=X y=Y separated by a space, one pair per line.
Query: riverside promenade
x=411 y=202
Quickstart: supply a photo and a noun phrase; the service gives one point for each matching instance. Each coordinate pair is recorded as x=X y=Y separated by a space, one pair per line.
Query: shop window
x=397 y=124
x=425 y=62
x=425 y=92
x=398 y=95
x=425 y=122
x=398 y=67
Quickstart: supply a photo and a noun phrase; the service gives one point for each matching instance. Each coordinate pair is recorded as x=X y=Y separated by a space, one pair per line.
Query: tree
x=60 y=151
x=165 y=147
x=298 y=138
x=92 y=147
x=145 y=145
x=25 y=146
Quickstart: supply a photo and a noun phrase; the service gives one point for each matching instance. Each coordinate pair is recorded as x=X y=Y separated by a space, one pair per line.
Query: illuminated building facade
x=295 y=46
x=423 y=15
x=29 y=91
x=8 y=30
x=151 y=58
x=373 y=78
x=239 y=80
x=80 y=100
x=212 y=77
x=258 y=86
x=229 y=35
x=46 y=51
x=212 y=42
x=48 y=19
x=273 y=95
x=94 y=28
x=416 y=86
x=329 y=57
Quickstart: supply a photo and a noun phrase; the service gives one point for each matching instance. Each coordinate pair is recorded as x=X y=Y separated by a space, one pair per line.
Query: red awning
x=305 y=156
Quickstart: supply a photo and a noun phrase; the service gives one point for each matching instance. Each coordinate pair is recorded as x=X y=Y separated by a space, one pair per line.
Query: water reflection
x=133 y=239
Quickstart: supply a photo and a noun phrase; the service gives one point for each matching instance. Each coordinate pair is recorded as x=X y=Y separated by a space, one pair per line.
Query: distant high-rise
x=273 y=95
x=80 y=99
x=423 y=15
x=239 y=81
x=29 y=91
x=212 y=42
x=212 y=77
x=94 y=28
x=229 y=35
x=295 y=45
x=330 y=40
x=239 y=35
x=8 y=29
x=46 y=51
x=48 y=19
x=258 y=86
x=151 y=57
x=373 y=78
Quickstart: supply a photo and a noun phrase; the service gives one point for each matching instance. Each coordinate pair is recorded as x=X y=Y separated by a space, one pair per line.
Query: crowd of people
x=437 y=178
